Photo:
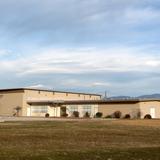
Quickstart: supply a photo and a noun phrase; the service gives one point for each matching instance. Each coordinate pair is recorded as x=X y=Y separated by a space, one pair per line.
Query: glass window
x=87 y=109
x=39 y=109
x=73 y=108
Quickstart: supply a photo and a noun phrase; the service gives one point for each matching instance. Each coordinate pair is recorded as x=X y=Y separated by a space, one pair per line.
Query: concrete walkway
x=6 y=118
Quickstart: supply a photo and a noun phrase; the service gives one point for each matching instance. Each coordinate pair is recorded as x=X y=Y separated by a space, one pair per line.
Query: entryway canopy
x=70 y=102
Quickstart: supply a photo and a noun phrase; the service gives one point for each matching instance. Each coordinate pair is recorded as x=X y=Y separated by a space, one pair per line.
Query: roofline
x=70 y=102
x=75 y=102
x=46 y=90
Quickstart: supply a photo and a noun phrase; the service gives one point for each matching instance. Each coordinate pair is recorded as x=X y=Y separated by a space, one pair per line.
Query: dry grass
x=121 y=139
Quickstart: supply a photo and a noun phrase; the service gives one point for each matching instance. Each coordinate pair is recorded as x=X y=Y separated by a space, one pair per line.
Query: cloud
x=101 y=84
x=80 y=44
x=90 y=69
x=141 y=15
x=4 y=52
x=74 y=21
x=153 y=63
x=75 y=61
x=36 y=86
x=82 y=83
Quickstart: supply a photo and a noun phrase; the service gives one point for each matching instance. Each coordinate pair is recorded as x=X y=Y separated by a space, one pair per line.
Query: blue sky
x=81 y=45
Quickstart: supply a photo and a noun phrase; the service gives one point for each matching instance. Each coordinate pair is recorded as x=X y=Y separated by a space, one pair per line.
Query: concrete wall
x=9 y=101
x=44 y=95
x=109 y=109
x=146 y=107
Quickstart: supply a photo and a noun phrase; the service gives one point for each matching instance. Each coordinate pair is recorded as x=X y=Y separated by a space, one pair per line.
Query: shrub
x=127 y=116
x=64 y=115
x=108 y=116
x=147 y=116
x=75 y=114
x=99 y=114
x=17 y=109
x=117 y=114
x=47 y=115
x=86 y=115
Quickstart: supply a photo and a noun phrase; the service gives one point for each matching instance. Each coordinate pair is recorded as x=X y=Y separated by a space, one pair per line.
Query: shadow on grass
x=108 y=154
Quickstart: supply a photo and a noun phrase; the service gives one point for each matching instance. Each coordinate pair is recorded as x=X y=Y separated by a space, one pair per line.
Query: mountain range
x=157 y=95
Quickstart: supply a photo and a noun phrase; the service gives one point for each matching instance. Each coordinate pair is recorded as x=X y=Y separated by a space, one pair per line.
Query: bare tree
x=18 y=109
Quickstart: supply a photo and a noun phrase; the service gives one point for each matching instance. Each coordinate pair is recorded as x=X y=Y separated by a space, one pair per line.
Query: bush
x=86 y=115
x=75 y=114
x=64 y=115
x=108 y=116
x=127 y=116
x=47 y=115
x=147 y=116
x=99 y=114
x=117 y=114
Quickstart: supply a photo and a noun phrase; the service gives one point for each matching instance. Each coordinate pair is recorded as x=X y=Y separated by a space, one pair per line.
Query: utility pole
x=105 y=95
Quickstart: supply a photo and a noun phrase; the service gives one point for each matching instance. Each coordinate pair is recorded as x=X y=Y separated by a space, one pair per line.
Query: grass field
x=80 y=140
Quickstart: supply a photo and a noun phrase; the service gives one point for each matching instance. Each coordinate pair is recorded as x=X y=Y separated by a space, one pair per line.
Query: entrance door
x=28 y=111
x=152 y=112
x=63 y=112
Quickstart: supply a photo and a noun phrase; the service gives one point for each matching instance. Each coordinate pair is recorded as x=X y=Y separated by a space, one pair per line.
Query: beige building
x=134 y=107
x=38 y=102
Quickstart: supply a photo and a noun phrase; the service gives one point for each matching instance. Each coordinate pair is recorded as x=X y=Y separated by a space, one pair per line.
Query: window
x=39 y=109
x=87 y=109
x=73 y=108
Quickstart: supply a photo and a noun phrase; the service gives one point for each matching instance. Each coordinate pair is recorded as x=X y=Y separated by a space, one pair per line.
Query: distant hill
x=119 y=97
x=157 y=95
x=150 y=96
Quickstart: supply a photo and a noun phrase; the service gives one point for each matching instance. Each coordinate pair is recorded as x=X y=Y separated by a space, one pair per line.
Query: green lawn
x=81 y=140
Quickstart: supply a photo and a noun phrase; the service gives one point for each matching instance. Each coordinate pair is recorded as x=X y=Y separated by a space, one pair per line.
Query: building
x=136 y=108
x=38 y=102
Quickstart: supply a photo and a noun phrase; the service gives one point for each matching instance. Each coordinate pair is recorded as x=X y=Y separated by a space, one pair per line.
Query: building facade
x=38 y=102
x=136 y=108
x=20 y=101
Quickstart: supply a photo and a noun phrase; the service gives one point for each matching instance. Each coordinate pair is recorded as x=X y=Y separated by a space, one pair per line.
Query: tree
x=117 y=114
x=99 y=115
x=75 y=114
x=18 y=109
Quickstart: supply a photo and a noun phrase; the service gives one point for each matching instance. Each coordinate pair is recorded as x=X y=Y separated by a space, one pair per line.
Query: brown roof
x=46 y=90
x=69 y=102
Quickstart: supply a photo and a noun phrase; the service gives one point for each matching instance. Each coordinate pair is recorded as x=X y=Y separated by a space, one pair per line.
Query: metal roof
x=69 y=102
x=46 y=90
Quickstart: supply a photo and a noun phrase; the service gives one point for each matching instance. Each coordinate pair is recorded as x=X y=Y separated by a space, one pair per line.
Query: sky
x=81 y=45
